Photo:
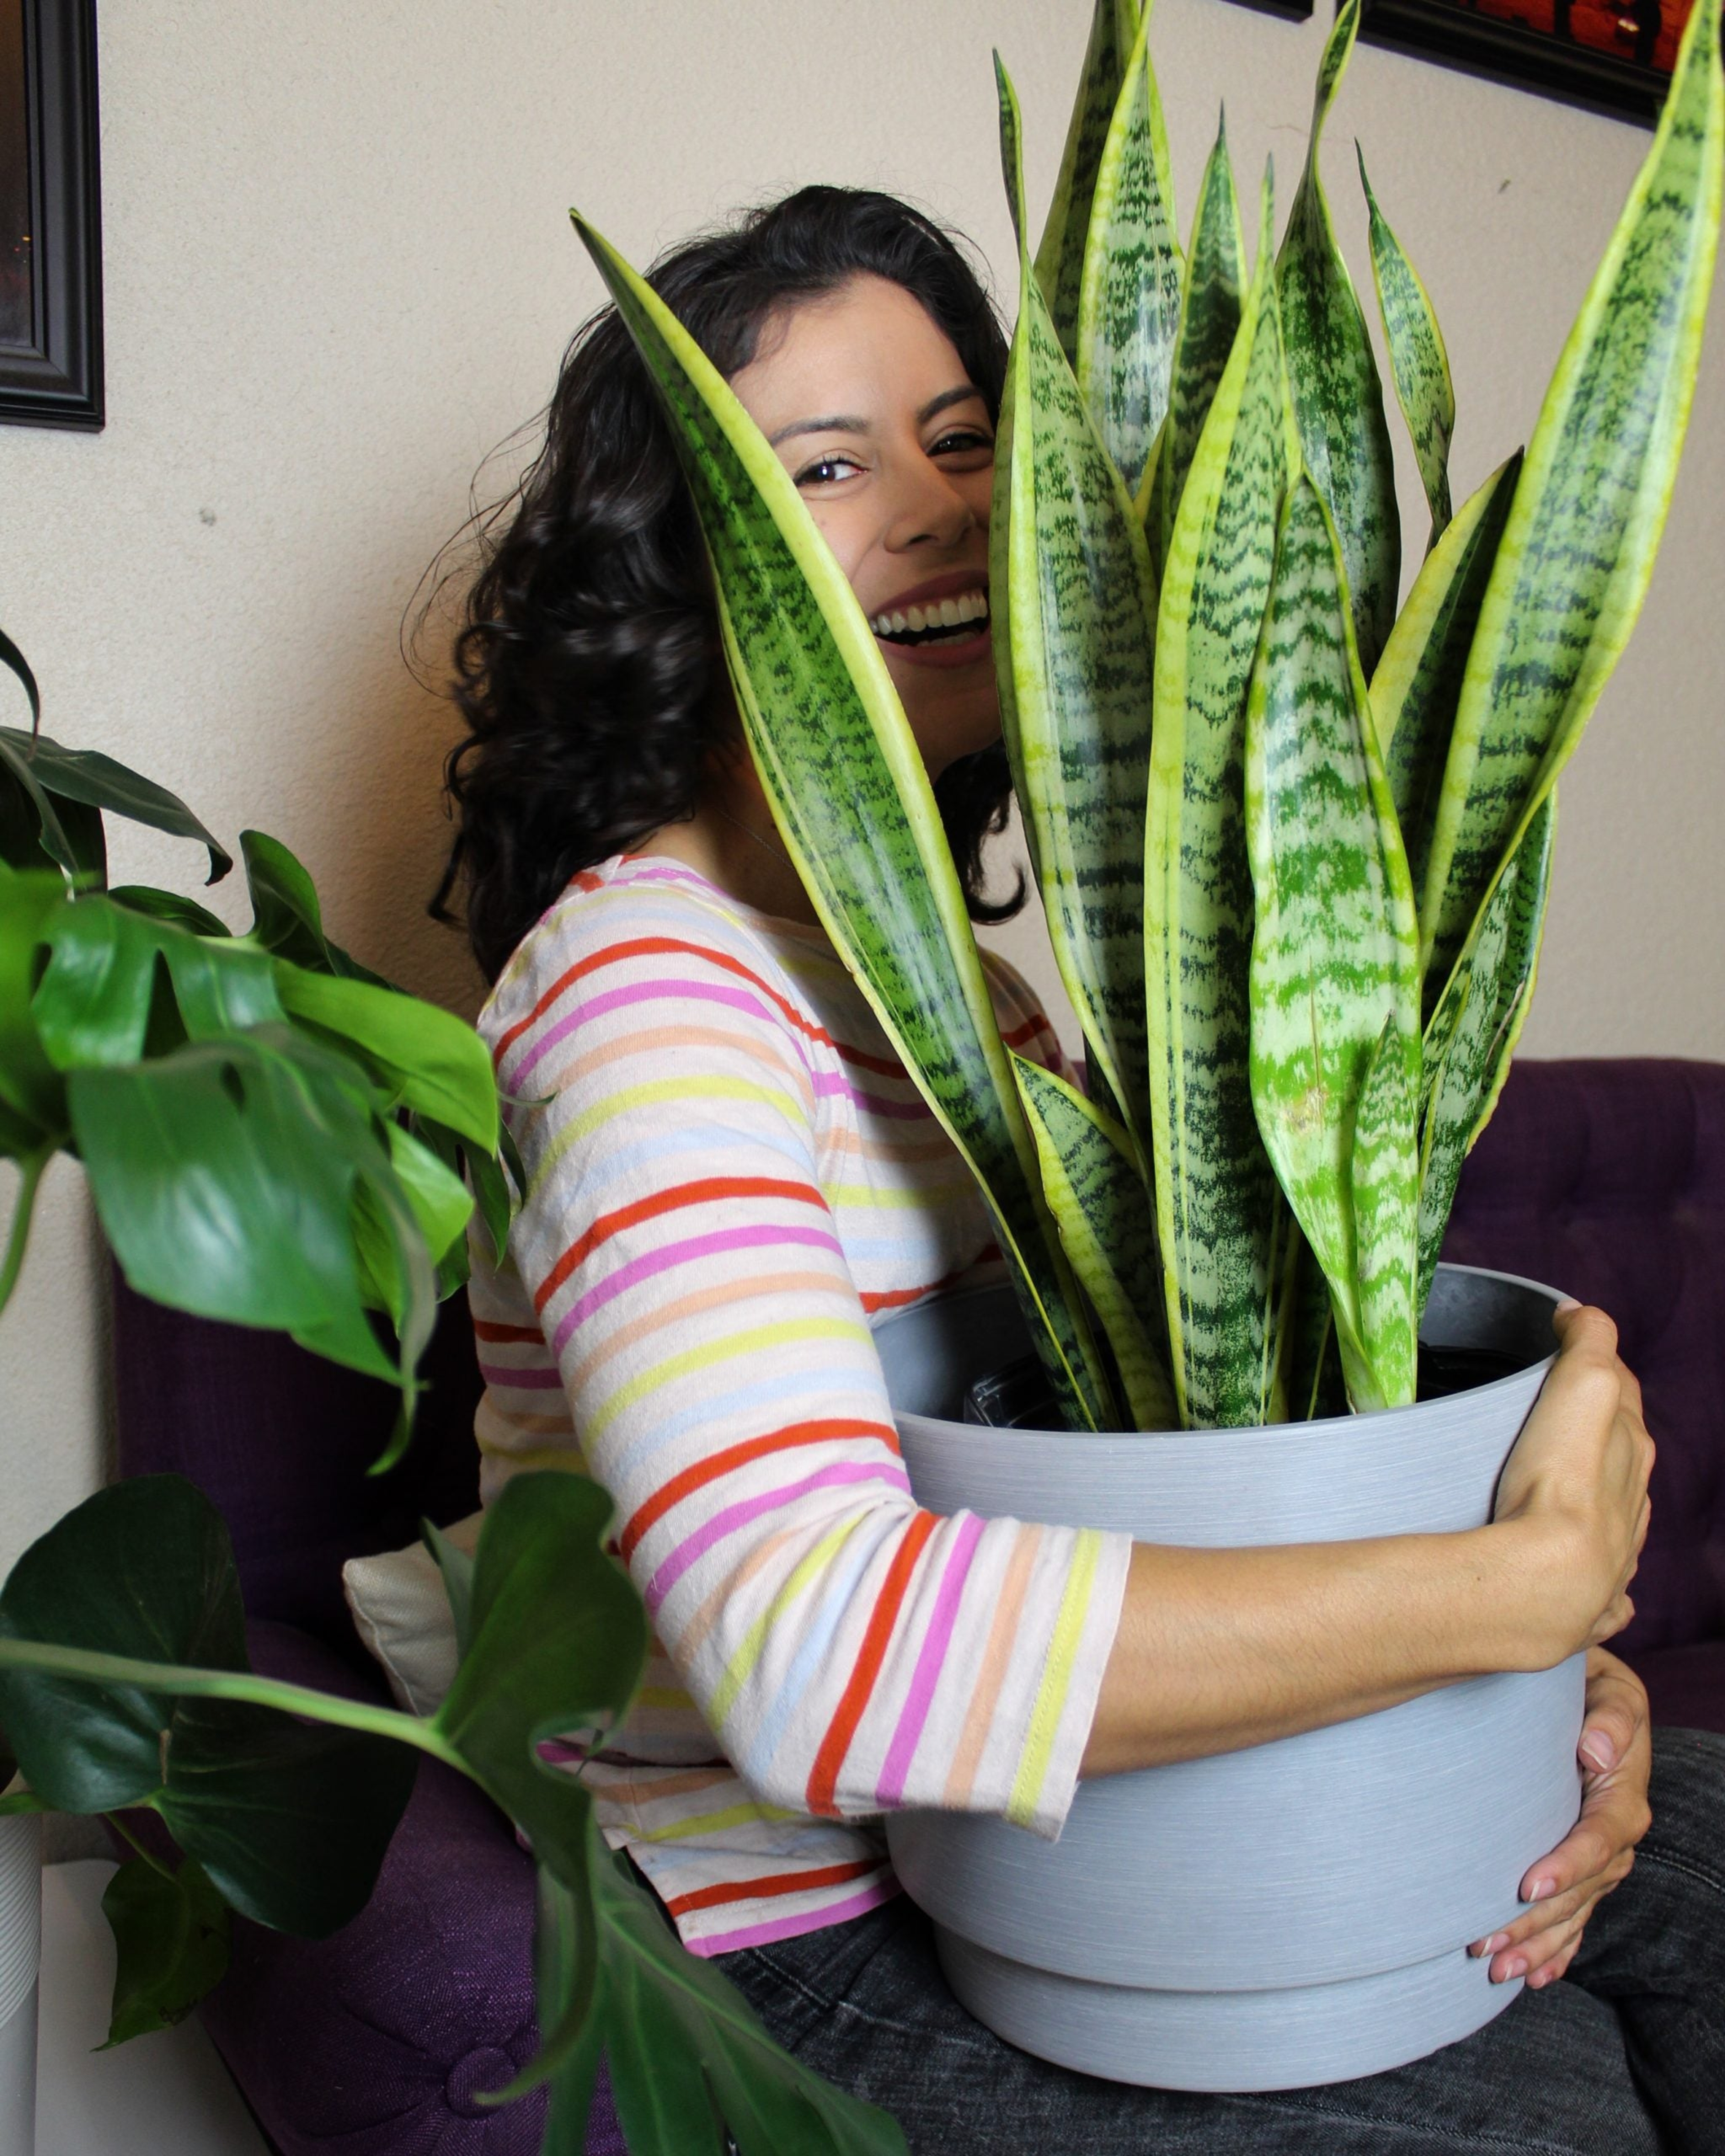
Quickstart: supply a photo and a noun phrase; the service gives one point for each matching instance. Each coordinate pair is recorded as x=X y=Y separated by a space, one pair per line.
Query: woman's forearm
x=1221 y=1648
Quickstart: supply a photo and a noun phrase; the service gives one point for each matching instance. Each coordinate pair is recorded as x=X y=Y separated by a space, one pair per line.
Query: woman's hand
x=1574 y=1491
x=1616 y=1755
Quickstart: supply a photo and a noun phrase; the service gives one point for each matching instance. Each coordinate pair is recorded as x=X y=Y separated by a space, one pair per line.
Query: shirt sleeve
x=852 y=1652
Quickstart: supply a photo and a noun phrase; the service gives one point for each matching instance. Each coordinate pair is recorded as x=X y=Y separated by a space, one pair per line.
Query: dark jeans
x=1625 y=2057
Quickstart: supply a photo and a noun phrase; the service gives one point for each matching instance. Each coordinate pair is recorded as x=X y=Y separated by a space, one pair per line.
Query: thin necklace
x=772 y=845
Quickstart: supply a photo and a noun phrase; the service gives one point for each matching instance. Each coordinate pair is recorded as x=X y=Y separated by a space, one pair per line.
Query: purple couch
x=1605 y=1178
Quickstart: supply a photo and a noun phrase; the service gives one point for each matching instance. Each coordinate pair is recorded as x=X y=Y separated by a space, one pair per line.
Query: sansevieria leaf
x=1417 y=686
x=1129 y=299
x=1337 y=397
x=1209 y=321
x=847 y=788
x=1576 y=554
x=1474 y=1031
x=1106 y=1218
x=1418 y=361
x=1075 y=651
x=1335 y=1058
x=1059 y=255
x=1220 y=1212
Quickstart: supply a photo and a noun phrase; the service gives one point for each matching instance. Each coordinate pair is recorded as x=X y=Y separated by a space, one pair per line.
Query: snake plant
x=1294 y=845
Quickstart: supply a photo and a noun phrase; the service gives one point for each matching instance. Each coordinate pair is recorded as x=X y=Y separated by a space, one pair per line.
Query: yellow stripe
x=661 y=1695
x=661 y=1089
x=718 y=1351
x=736 y=1673
x=887 y=1201
x=714 y=1822
x=1056 y=1674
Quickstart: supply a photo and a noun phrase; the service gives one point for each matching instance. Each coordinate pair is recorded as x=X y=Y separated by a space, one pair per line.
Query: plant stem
x=31 y=1168
x=90 y=1667
x=137 y=1847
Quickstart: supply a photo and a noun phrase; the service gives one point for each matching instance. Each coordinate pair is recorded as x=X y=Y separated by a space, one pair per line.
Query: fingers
x=1584 y=1332
x=1616 y=1713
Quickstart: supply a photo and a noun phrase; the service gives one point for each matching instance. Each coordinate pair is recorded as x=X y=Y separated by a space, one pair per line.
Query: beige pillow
x=401 y=1614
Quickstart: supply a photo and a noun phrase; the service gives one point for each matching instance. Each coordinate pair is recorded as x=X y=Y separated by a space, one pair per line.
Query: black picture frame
x=52 y=376
x=1461 y=35
x=1291 y=11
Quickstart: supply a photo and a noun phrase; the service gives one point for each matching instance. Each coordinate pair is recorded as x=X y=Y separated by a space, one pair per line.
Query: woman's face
x=870 y=411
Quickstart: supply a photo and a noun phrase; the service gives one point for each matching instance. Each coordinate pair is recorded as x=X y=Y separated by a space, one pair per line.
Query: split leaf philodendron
x=1293 y=847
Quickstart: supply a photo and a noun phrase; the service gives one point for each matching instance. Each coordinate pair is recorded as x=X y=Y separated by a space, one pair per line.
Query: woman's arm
x=1221 y=1648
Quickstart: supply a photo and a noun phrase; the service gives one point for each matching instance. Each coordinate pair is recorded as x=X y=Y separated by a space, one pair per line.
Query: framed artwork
x=50 y=216
x=1613 y=56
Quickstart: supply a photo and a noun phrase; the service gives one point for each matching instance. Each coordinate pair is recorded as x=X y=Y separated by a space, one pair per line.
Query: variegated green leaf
x=1075 y=651
x=1335 y=1050
x=1209 y=321
x=1059 y=256
x=1107 y=1222
x=1417 y=684
x=1577 y=550
x=847 y=788
x=1337 y=397
x=1476 y=1025
x=1418 y=363
x=1218 y=1206
x=1129 y=299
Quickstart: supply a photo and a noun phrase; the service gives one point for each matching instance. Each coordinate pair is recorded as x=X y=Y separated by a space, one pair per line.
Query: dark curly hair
x=588 y=656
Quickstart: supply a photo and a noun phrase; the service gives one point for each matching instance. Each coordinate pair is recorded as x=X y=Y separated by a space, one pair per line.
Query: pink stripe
x=787 y=1927
x=750 y=1508
x=642 y=991
x=692 y=1247
x=830 y=1084
x=540 y=1380
x=891 y=1788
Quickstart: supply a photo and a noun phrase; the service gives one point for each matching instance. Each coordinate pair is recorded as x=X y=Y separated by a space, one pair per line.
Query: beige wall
x=339 y=271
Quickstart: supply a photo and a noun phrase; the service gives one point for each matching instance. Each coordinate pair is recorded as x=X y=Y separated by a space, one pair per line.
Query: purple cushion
x=379 y=2041
x=1607 y=1179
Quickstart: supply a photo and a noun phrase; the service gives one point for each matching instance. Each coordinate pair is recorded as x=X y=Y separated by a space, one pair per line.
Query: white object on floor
x=20 y=1898
x=165 y=2095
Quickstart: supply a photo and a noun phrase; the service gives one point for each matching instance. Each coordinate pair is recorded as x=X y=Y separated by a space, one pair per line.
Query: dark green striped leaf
x=1129 y=299
x=1106 y=1218
x=1417 y=685
x=1577 y=550
x=1474 y=1031
x=1418 y=363
x=1210 y=321
x=848 y=791
x=1220 y=1218
x=1075 y=651
x=1337 y=397
x=1335 y=1052
x=1059 y=256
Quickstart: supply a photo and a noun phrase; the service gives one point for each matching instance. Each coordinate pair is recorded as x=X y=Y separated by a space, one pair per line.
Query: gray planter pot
x=1298 y=1913
x=20 y=1957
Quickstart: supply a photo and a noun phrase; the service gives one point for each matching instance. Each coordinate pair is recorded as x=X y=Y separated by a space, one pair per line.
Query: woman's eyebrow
x=844 y=423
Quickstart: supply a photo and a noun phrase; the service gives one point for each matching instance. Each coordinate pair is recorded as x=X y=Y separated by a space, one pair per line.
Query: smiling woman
x=730 y=1177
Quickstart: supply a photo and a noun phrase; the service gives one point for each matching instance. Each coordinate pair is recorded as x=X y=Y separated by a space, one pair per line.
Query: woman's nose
x=926 y=509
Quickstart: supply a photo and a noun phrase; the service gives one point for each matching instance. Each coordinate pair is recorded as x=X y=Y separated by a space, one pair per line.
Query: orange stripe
x=991 y=1675
x=739 y=1455
x=486 y=1330
x=777 y=1882
x=701 y=1193
x=648 y=946
x=890 y=1298
x=824 y=1775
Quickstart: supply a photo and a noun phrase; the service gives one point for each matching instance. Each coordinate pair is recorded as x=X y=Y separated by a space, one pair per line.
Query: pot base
x=1226 y=2042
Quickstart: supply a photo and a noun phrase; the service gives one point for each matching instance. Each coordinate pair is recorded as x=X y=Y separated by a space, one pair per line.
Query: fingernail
x=1497 y=1941
x=1566 y=1302
x=1598 y=1751
x=1515 y=1968
x=1540 y=1888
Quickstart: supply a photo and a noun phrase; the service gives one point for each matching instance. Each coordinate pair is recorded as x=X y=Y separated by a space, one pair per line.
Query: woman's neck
x=731 y=841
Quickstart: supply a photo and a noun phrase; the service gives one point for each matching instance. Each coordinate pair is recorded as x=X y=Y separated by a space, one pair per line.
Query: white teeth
x=938 y=613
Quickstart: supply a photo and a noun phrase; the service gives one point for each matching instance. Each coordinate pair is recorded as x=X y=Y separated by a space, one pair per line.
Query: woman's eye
x=962 y=441
x=825 y=470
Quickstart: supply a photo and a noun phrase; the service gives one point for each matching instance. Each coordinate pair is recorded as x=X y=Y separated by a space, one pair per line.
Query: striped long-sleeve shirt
x=729 y=1177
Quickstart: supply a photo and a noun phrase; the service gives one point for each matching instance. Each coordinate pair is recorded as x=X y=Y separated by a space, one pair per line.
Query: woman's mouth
x=938 y=625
